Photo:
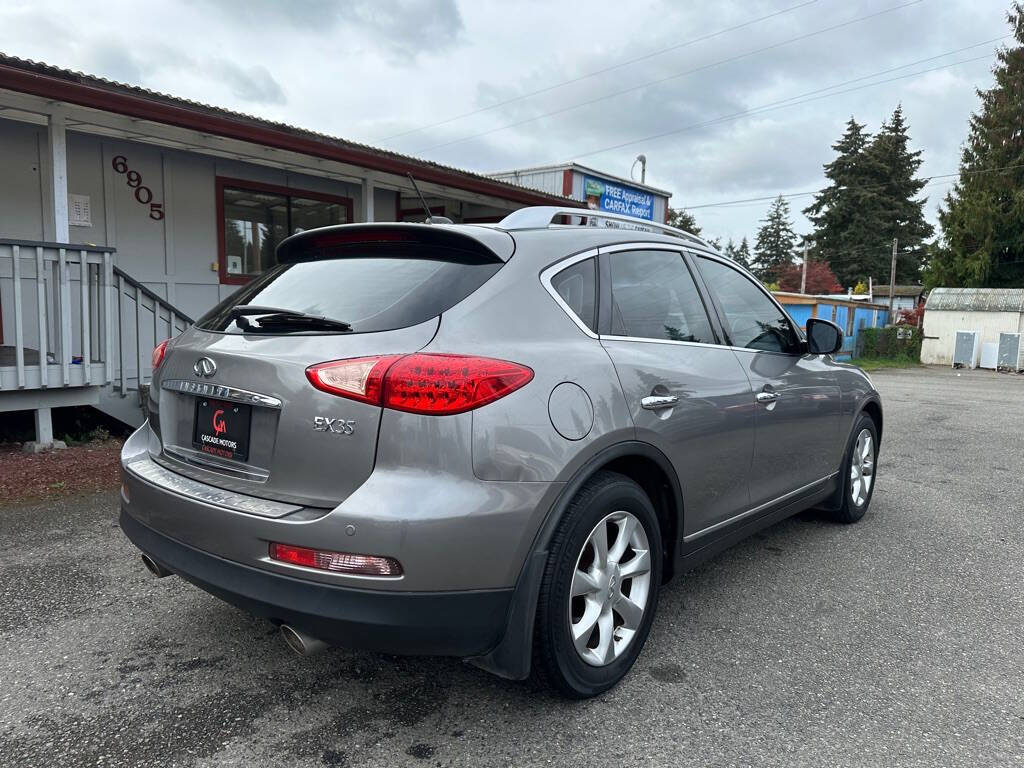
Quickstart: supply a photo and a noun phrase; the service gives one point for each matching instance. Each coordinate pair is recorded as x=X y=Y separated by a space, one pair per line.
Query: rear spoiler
x=475 y=243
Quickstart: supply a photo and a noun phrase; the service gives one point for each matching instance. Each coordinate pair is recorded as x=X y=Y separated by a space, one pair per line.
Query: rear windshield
x=371 y=292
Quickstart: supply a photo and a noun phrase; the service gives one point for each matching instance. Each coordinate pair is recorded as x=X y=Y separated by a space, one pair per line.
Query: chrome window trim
x=644 y=340
x=549 y=272
x=758 y=508
x=221 y=392
x=154 y=474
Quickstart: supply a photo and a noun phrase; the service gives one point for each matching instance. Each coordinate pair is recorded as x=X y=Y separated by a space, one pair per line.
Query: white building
x=125 y=213
x=906 y=296
x=990 y=311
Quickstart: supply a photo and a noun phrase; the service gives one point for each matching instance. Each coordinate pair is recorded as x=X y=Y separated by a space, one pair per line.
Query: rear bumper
x=467 y=623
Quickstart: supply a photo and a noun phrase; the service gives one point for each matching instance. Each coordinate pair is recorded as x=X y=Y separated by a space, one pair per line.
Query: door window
x=751 y=318
x=654 y=297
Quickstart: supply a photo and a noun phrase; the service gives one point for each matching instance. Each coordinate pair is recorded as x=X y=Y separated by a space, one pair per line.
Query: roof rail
x=543 y=216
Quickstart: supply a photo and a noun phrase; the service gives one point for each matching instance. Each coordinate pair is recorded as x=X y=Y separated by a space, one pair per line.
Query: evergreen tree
x=730 y=249
x=896 y=212
x=840 y=213
x=740 y=254
x=681 y=219
x=743 y=257
x=982 y=217
x=870 y=200
x=773 y=248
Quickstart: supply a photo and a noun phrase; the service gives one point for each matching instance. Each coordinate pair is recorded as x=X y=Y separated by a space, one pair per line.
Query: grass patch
x=880 y=363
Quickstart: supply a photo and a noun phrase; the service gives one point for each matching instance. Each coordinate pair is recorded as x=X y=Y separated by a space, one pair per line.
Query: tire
x=601 y=616
x=856 y=469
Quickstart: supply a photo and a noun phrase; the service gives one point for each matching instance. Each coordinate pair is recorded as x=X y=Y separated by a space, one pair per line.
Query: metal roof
x=976 y=300
x=882 y=289
x=39 y=78
x=515 y=172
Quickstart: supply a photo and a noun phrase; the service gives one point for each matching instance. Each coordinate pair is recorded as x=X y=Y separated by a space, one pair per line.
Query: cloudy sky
x=497 y=85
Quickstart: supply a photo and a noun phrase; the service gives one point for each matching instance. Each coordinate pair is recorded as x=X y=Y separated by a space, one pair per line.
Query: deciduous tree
x=820 y=278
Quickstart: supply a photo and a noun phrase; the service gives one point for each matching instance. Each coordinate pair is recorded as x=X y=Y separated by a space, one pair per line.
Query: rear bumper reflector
x=336 y=562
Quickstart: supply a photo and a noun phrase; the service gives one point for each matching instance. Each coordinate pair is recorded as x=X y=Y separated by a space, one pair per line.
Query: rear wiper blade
x=277 y=316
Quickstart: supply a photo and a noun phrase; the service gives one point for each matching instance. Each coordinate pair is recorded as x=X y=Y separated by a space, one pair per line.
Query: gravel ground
x=92 y=466
x=897 y=641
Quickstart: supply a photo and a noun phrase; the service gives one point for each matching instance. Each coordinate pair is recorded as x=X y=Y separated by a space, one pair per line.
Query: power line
x=773 y=106
x=929 y=181
x=759 y=202
x=668 y=78
x=596 y=72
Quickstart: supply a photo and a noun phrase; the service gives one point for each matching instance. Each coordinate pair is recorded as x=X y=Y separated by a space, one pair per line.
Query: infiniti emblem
x=205 y=367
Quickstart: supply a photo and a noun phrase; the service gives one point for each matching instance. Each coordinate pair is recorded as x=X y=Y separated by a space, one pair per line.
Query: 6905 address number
x=143 y=194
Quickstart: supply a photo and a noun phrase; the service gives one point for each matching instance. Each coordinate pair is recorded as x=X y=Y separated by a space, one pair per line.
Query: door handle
x=767 y=397
x=657 y=402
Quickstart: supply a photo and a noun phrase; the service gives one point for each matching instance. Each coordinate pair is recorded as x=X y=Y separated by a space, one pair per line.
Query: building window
x=255 y=217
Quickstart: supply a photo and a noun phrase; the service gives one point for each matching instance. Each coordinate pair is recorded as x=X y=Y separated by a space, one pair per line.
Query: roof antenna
x=431 y=219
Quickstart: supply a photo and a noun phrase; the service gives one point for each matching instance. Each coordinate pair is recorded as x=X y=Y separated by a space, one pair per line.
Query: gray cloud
x=248 y=83
x=405 y=28
x=365 y=70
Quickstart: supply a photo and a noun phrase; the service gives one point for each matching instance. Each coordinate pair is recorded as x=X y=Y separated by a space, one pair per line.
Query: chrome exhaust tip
x=155 y=568
x=300 y=642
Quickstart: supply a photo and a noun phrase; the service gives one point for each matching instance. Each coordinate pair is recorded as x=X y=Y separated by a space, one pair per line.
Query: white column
x=44 y=427
x=56 y=182
x=366 y=209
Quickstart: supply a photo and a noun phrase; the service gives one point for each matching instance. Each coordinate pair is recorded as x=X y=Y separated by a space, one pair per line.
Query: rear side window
x=654 y=297
x=577 y=286
x=371 y=289
x=751 y=318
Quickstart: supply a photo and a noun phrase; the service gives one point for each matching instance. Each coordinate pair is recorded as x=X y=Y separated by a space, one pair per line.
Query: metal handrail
x=118 y=272
x=176 y=321
x=543 y=216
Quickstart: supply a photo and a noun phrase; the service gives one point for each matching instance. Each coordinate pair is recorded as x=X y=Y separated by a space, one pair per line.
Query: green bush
x=885 y=343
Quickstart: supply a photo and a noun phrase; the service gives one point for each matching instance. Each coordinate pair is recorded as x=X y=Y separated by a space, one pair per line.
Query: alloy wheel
x=862 y=468
x=610 y=588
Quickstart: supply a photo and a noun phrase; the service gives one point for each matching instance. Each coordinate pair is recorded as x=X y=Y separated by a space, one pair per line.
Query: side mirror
x=823 y=337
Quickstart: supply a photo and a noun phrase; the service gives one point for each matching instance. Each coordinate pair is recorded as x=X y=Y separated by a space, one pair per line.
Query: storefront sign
x=618 y=198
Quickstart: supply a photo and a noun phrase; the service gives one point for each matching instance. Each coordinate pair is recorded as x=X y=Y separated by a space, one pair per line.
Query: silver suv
x=489 y=442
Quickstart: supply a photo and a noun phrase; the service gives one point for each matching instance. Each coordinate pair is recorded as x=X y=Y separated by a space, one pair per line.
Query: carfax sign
x=618 y=198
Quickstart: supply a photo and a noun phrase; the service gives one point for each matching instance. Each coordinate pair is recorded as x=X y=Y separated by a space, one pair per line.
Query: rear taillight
x=337 y=562
x=421 y=383
x=160 y=352
x=358 y=378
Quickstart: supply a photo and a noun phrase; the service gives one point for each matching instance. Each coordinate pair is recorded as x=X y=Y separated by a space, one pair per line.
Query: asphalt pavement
x=898 y=641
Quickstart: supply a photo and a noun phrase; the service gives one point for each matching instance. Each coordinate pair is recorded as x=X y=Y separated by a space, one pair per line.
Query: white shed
x=989 y=311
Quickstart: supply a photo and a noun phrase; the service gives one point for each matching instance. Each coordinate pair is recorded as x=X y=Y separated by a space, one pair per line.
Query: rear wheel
x=600 y=588
x=859 y=471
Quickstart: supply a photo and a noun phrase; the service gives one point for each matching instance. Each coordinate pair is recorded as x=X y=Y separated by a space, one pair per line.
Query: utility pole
x=803 y=275
x=892 y=279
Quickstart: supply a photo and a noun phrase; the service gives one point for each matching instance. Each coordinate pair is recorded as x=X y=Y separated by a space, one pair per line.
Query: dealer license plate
x=222 y=429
